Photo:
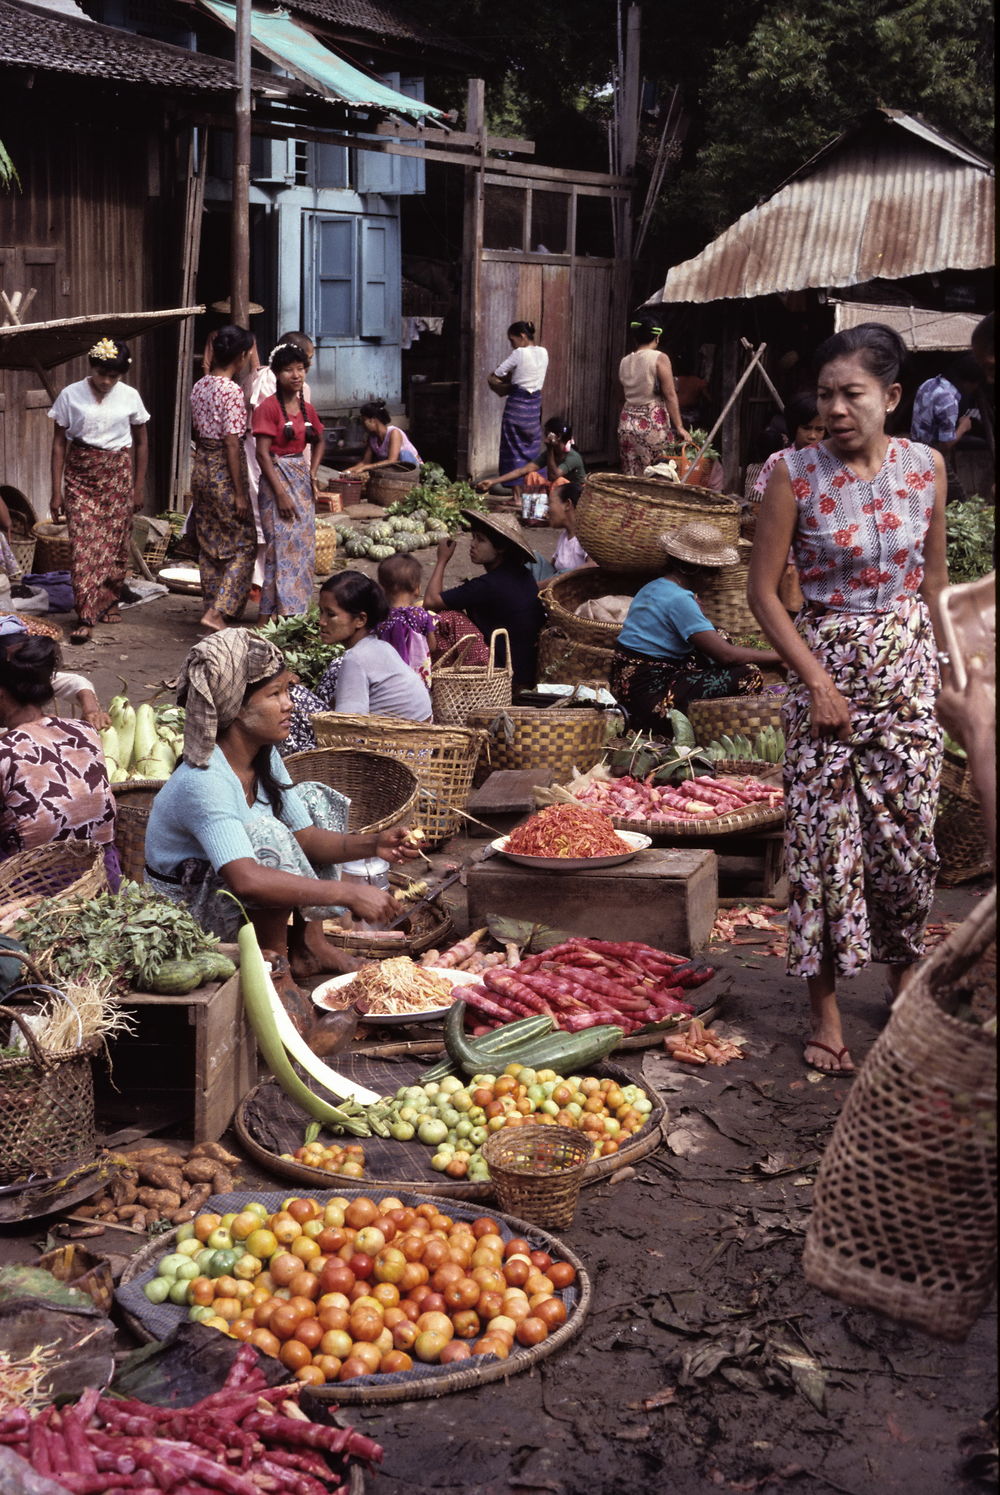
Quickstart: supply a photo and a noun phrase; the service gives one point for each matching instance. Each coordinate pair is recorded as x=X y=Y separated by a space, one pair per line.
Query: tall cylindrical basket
x=538 y=1171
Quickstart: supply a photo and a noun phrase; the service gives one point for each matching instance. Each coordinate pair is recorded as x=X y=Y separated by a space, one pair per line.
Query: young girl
x=284 y=425
x=805 y=429
x=520 y=378
x=99 y=455
x=409 y=628
x=387 y=444
x=556 y=464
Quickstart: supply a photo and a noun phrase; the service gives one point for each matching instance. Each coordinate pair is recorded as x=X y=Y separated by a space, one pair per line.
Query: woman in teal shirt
x=668 y=652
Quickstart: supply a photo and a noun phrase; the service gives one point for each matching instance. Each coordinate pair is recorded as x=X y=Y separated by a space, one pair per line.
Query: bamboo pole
x=758 y=355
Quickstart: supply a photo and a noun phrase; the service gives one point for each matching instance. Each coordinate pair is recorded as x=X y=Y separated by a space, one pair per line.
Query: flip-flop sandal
x=81 y=634
x=838 y=1054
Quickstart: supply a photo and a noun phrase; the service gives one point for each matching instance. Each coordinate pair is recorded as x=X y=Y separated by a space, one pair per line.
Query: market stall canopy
x=889 y=198
x=922 y=331
x=44 y=345
x=289 y=45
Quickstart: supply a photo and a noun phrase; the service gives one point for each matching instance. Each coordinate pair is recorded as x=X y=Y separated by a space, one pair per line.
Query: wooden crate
x=665 y=898
x=192 y=1059
x=746 y=859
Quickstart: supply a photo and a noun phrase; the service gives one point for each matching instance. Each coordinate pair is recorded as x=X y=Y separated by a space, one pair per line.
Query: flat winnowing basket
x=443 y=759
x=563 y=594
x=558 y=737
x=904 y=1210
x=73 y=869
x=619 y=519
x=458 y=690
x=720 y=716
x=724 y=600
x=566 y=661
x=46 y=1105
x=382 y=790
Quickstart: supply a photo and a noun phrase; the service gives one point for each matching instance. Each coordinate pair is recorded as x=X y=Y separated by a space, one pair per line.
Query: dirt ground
x=677 y=1382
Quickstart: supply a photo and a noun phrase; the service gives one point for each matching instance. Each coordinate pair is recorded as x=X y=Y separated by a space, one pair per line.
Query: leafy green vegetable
x=127 y=935
x=677 y=448
x=438 y=498
x=299 y=641
x=971 y=527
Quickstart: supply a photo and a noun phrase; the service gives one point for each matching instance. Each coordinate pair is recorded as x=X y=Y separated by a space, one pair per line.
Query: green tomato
x=478 y=1135
x=178 y=1293
x=431 y=1089
x=478 y=1171
x=536 y=1094
x=198 y=1312
x=549 y=1108
x=227 y=1220
x=464 y=1128
x=220 y=1239
x=189 y=1247
x=462 y=1101
x=450 y=1084
x=643 y=1105
x=401 y=1130
x=157 y=1290
x=449 y=1116
x=185 y=1233
x=409 y=1114
x=169 y=1264
x=526 y=1077
x=612 y=1126
x=440 y=1161
x=187 y=1271
x=477 y=1116
x=432 y=1131
x=221 y=1264
x=203 y=1258
x=549 y=1086
x=575 y=1109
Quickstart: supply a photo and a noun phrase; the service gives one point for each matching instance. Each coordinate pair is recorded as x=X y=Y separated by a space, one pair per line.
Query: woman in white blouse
x=520 y=378
x=99 y=457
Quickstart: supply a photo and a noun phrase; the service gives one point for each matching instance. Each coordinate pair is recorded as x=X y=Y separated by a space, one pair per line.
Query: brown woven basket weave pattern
x=385 y=487
x=133 y=798
x=73 y=869
x=46 y=1107
x=326 y=549
x=53 y=547
x=960 y=840
x=543 y=737
x=457 y=690
x=565 y=661
x=724 y=600
x=382 y=790
x=726 y=715
x=561 y=596
x=537 y=1172
x=22 y=541
x=904 y=1211
x=620 y=519
x=443 y=759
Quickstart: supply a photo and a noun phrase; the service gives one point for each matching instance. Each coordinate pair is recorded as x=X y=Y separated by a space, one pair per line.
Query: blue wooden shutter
x=379 y=277
x=334 y=277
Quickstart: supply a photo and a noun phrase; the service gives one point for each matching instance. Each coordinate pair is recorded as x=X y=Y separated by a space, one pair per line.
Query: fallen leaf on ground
x=660 y=1398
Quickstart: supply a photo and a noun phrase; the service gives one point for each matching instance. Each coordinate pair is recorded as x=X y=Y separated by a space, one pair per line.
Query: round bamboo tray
x=154 y=1321
x=716 y=825
x=268 y=1124
x=563 y=594
x=619 y=520
x=432 y=927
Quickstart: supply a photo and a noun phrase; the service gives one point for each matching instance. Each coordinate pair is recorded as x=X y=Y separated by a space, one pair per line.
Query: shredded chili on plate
x=566 y=831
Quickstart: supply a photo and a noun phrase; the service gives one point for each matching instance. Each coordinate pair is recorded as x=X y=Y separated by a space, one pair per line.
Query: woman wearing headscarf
x=651 y=415
x=229 y=820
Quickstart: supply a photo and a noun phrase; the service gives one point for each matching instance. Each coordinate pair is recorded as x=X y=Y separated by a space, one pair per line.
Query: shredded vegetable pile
x=566 y=831
x=393 y=988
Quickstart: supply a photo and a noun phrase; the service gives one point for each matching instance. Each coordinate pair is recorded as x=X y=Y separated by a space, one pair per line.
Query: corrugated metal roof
x=296 y=49
x=888 y=199
x=376 y=19
x=922 y=331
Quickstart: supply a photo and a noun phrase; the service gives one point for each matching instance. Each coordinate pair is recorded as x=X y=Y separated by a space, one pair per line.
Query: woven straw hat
x=506 y=526
x=699 y=544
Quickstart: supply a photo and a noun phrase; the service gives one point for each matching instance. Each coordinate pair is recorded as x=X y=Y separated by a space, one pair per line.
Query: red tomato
x=532 y=1330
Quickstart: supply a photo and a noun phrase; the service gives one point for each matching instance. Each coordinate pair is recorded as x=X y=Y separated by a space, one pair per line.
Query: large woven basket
x=619 y=519
x=537 y=1172
x=53 y=547
x=46 y=1105
x=561 y=596
x=326 y=548
x=386 y=485
x=558 y=737
x=728 y=715
x=443 y=759
x=724 y=600
x=458 y=689
x=382 y=790
x=904 y=1210
x=566 y=661
x=133 y=800
x=960 y=840
x=73 y=869
x=22 y=542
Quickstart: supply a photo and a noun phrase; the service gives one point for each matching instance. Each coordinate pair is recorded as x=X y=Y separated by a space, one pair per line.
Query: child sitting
x=409 y=628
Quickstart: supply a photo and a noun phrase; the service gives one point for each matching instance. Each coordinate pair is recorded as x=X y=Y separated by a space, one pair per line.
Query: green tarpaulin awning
x=293 y=47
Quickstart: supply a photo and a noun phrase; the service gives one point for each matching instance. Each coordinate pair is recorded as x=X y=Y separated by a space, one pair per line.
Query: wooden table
x=759 y=855
x=662 y=897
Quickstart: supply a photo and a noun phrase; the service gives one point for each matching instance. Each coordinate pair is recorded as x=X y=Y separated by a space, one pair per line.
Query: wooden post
x=472 y=244
x=239 y=295
x=731 y=426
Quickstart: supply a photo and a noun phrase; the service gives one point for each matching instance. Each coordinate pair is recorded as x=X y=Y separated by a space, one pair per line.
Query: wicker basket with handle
x=720 y=716
x=563 y=594
x=724 y=599
x=905 y=1209
x=560 y=737
x=566 y=661
x=22 y=542
x=619 y=520
x=459 y=689
x=443 y=759
x=133 y=801
x=53 y=547
x=73 y=869
x=46 y=1105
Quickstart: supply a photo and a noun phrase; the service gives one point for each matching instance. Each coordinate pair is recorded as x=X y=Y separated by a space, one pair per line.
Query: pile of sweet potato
x=159 y=1182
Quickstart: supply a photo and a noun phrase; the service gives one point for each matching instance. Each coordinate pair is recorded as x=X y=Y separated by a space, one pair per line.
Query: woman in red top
x=284 y=425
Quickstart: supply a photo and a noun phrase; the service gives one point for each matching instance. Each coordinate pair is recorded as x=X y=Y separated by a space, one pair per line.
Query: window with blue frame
x=353 y=276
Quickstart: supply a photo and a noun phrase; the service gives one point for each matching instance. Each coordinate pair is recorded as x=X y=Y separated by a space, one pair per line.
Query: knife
x=435 y=892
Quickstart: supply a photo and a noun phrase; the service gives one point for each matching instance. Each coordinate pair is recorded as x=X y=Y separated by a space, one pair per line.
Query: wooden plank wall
x=86 y=229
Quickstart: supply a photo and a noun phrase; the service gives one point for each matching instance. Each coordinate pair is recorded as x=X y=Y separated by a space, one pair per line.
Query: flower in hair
x=105 y=351
x=277 y=349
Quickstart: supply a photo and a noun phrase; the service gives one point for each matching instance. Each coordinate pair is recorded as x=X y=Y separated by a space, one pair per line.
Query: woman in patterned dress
x=223 y=517
x=650 y=414
x=284 y=426
x=864 y=512
x=53 y=780
x=99 y=455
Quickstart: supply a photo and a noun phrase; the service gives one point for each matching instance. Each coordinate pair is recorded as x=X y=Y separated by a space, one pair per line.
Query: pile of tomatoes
x=357 y=1287
x=347 y=1161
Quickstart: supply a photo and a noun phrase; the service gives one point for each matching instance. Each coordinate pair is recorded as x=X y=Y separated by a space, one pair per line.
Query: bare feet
x=318 y=953
x=213 y=619
x=293 y=998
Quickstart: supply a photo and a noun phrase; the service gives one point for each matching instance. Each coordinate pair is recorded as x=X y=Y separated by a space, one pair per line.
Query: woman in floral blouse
x=864 y=513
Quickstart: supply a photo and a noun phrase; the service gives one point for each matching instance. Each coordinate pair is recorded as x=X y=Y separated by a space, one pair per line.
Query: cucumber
x=570 y=1053
x=496 y=1045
